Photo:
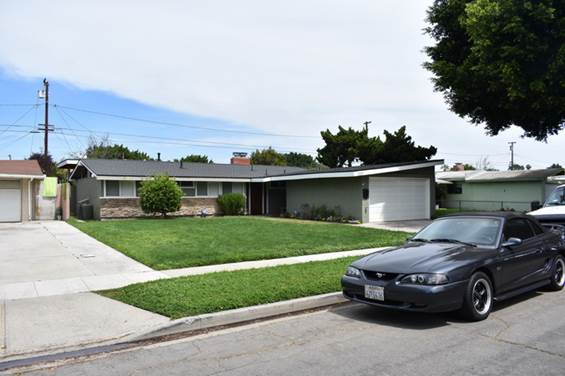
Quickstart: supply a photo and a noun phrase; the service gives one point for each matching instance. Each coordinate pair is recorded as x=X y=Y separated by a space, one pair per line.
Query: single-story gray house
x=19 y=188
x=387 y=192
x=495 y=190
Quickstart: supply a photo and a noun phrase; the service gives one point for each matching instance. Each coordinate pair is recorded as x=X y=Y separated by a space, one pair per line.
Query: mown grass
x=189 y=296
x=183 y=242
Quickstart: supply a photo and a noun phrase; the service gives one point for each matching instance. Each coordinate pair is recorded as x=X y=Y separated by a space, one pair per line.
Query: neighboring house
x=19 y=188
x=398 y=191
x=494 y=190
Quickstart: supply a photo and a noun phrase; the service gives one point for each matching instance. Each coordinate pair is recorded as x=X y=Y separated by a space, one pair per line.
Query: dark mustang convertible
x=464 y=262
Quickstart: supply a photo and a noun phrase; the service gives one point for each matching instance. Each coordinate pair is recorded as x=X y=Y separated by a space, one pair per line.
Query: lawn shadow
x=395 y=318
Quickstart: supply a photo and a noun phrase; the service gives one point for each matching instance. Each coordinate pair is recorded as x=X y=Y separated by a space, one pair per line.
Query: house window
x=188 y=188
x=455 y=188
x=112 y=188
x=226 y=188
x=202 y=188
x=213 y=189
x=115 y=188
x=127 y=189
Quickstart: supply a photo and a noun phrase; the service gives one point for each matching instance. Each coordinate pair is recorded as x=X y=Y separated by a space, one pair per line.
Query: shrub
x=231 y=203
x=160 y=195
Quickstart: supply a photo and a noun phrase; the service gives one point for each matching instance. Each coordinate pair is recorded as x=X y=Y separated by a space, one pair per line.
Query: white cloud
x=286 y=66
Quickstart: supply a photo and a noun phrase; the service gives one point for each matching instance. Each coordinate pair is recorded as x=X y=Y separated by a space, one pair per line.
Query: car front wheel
x=558 y=275
x=477 y=302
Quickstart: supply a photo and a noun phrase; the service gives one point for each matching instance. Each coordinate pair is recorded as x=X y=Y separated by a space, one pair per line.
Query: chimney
x=240 y=159
x=159 y=157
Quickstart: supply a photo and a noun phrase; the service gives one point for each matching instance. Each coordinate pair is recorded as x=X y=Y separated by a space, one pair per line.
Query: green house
x=494 y=190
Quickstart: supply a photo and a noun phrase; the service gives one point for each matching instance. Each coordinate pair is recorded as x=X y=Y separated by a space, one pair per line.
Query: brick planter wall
x=129 y=207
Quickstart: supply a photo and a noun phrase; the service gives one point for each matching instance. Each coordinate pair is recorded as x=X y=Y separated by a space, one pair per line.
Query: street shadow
x=394 y=318
x=516 y=300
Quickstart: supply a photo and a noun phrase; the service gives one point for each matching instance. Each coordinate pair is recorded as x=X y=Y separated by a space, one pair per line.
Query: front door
x=256 y=199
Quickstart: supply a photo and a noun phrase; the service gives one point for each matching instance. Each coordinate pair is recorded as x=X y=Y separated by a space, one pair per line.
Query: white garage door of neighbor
x=398 y=199
x=10 y=201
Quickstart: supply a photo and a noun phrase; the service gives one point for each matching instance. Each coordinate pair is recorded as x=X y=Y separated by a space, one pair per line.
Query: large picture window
x=116 y=188
x=188 y=188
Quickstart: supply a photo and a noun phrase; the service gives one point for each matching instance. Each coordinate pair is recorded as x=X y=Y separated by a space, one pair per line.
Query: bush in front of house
x=161 y=195
x=231 y=203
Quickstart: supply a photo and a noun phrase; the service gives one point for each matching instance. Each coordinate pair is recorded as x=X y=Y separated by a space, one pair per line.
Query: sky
x=231 y=76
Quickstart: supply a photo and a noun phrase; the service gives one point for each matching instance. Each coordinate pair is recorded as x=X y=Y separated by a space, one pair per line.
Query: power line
x=179 y=124
x=18 y=119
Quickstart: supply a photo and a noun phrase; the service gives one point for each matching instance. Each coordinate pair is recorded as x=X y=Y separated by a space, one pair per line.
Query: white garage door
x=10 y=201
x=398 y=199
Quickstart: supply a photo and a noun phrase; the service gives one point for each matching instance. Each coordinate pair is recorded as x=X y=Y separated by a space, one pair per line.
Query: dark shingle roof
x=118 y=167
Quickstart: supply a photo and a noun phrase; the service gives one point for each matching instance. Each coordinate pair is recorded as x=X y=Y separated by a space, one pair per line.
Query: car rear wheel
x=477 y=302
x=558 y=275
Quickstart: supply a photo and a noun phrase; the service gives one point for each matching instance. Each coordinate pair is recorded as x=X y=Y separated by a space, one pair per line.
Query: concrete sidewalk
x=54 y=287
x=67 y=321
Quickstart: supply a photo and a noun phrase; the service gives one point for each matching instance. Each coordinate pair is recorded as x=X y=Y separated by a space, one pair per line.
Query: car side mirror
x=512 y=242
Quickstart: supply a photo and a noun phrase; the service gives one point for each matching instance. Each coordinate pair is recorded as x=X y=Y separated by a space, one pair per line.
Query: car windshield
x=557 y=197
x=468 y=230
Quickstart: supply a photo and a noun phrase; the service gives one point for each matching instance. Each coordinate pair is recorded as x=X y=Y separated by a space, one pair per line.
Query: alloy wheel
x=482 y=296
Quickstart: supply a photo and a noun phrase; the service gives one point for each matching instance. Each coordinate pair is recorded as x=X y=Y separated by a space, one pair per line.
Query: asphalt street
x=524 y=336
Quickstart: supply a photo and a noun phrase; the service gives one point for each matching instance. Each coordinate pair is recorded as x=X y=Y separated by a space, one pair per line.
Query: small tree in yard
x=231 y=203
x=160 y=195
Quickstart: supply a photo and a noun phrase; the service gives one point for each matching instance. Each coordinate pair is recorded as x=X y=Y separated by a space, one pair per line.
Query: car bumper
x=441 y=298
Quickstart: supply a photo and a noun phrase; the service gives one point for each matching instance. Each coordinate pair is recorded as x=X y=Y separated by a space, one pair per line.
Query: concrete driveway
x=42 y=257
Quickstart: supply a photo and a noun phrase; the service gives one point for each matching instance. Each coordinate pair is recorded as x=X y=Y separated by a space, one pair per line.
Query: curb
x=241 y=315
x=183 y=327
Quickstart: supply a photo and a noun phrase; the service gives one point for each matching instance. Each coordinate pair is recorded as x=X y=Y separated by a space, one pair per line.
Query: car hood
x=419 y=258
x=557 y=210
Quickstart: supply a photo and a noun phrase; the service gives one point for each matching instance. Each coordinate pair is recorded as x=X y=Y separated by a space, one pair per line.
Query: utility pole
x=46 y=125
x=367 y=125
x=511 y=143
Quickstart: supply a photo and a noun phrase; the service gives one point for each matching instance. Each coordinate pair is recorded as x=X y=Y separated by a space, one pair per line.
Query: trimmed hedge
x=231 y=203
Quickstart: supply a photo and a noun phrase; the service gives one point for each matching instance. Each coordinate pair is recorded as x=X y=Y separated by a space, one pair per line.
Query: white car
x=553 y=211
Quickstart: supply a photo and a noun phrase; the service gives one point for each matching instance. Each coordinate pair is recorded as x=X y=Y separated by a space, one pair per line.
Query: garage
x=10 y=201
x=398 y=199
x=19 y=184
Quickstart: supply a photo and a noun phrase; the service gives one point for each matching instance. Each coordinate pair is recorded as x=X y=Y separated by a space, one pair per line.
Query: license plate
x=374 y=292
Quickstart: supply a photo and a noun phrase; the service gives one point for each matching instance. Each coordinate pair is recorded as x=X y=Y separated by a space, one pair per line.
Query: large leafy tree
x=342 y=148
x=348 y=146
x=269 y=157
x=104 y=149
x=299 y=160
x=501 y=62
x=196 y=158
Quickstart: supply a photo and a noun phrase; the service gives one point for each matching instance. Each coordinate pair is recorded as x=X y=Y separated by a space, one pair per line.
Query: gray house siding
x=344 y=193
x=89 y=188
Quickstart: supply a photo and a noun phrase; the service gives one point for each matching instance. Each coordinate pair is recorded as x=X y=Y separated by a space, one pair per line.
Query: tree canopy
x=45 y=162
x=196 y=158
x=269 y=157
x=300 y=160
x=349 y=146
x=103 y=149
x=501 y=62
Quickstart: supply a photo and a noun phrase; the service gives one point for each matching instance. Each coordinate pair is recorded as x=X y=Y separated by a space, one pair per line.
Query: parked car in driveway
x=461 y=262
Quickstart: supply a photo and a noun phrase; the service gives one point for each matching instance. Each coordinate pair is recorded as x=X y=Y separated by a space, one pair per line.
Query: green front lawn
x=194 y=295
x=183 y=242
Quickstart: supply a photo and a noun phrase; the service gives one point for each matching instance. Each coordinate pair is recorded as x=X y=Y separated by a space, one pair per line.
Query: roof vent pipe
x=159 y=157
x=180 y=163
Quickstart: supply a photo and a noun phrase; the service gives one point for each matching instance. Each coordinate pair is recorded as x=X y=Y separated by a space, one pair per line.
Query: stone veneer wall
x=129 y=207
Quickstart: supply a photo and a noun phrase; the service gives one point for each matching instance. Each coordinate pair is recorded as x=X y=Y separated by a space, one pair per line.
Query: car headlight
x=352 y=272
x=425 y=279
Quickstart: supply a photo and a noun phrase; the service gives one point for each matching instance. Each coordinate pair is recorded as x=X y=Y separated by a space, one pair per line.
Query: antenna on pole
x=511 y=143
